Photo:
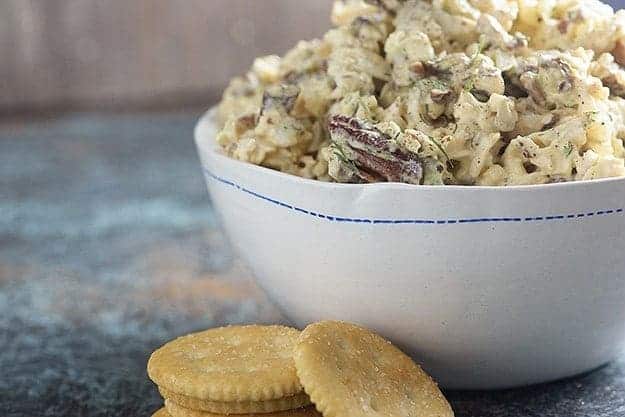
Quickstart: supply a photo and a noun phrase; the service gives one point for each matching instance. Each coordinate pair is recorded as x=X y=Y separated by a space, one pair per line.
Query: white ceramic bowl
x=486 y=287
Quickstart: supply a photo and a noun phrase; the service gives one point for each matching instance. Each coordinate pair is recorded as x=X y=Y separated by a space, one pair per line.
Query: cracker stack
x=268 y=371
x=230 y=370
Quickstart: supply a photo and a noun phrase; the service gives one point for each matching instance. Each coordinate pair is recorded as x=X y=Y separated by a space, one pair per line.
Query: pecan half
x=374 y=154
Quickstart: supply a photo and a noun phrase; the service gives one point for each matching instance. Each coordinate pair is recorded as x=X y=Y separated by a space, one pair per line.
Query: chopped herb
x=468 y=86
x=591 y=117
x=568 y=149
x=480 y=48
x=440 y=147
x=338 y=151
x=432 y=83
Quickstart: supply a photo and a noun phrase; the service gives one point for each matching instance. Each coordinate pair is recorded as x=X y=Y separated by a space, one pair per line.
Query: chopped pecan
x=440 y=95
x=565 y=85
x=281 y=96
x=616 y=85
x=481 y=95
x=573 y=16
x=619 y=52
x=530 y=168
x=611 y=74
x=418 y=68
x=409 y=171
x=432 y=69
x=375 y=154
x=554 y=120
x=245 y=123
x=513 y=86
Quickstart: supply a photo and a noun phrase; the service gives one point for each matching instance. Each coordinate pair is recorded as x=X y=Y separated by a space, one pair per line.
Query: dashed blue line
x=413 y=221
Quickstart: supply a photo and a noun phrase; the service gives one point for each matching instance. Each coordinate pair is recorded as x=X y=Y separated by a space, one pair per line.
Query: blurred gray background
x=94 y=54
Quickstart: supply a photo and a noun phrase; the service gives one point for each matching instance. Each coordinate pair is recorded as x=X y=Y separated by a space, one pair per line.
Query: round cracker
x=348 y=371
x=237 y=407
x=235 y=363
x=176 y=410
x=161 y=412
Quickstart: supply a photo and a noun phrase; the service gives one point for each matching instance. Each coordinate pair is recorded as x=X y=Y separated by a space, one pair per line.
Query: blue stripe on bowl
x=559 y=217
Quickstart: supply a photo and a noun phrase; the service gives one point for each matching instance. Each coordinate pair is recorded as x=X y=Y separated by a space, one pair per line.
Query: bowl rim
x=205 y=131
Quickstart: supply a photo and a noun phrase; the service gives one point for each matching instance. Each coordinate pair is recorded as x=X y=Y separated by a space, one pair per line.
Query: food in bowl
x=476 y=92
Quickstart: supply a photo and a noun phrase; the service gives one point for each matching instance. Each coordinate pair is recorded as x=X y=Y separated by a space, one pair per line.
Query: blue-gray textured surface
x=108 y=248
